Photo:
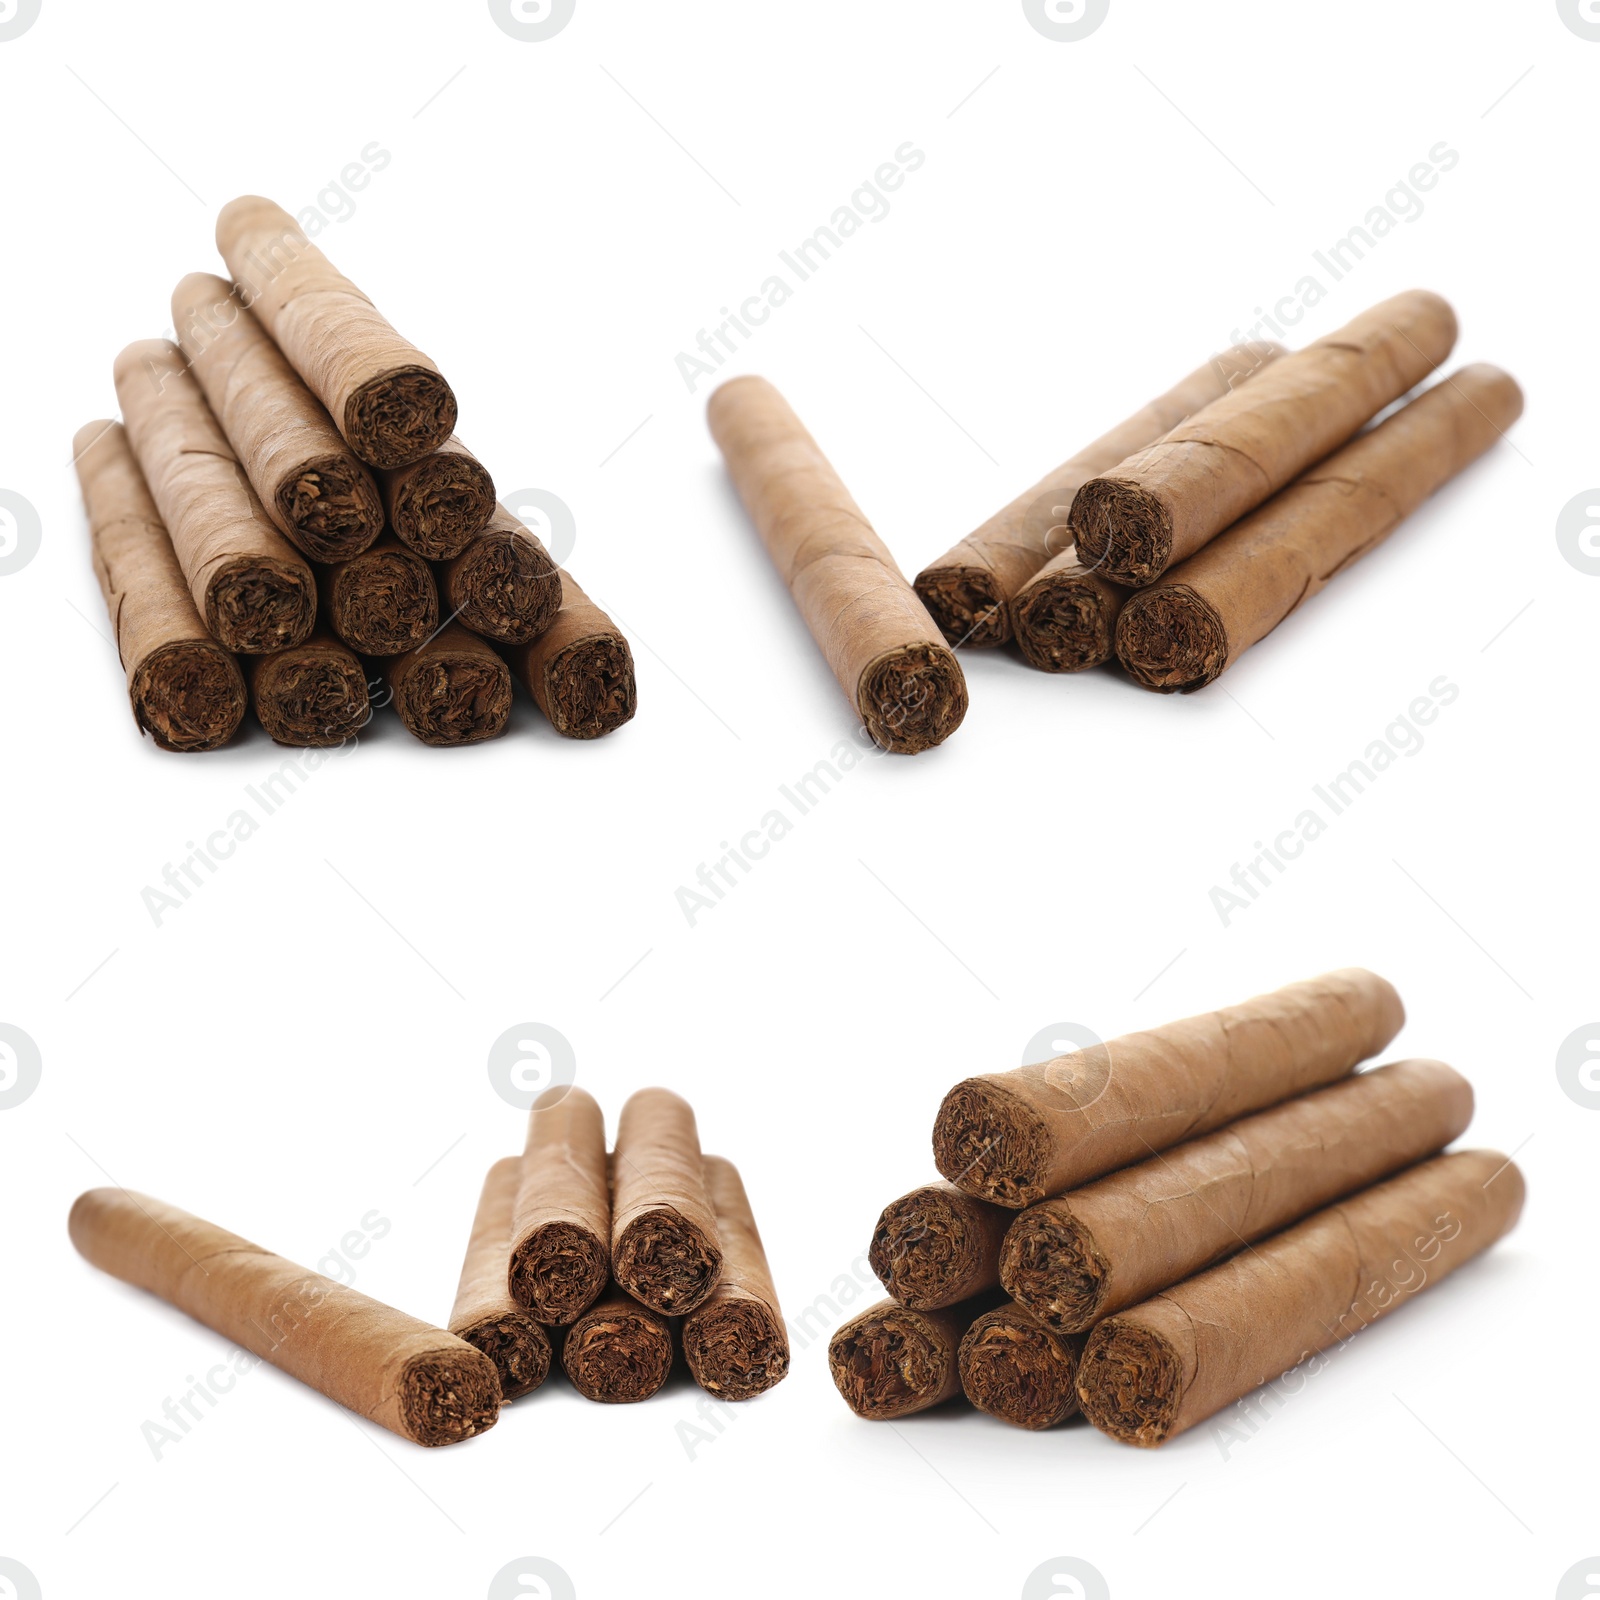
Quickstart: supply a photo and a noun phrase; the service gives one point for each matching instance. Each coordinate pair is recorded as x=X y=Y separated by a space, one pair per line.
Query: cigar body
x=453 y=689
x=420 y=1382
x=503 y=585
x=312 y=695
x=252 y=587
x=1016 y=1137
x=1077 y=1258
x=436 y=504
x=1162 y=504
x=735 y=1342
x=1064 y=618
x=618 y=1351
x=890 y=1361
x=1150 y=1372
x=968 y=591
x=386 y=397
x=879 y=640
x=313 y=488
x=484 y=1314
x=1017 y=1369
x=1190 y=626
x=185 y=689
x=937 y=1245
x=579 y=671
x=382 y=602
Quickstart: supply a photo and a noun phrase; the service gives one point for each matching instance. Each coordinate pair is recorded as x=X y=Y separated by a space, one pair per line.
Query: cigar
x=382 y=602
x=418 y=1381
x=618 y=1351
x=1149 y=1373
x=1083 y=1255
x=484 y=1314
x=1190 y=626
x=664 y=1245
x=504 y=585
x=185 y=690
x=387 y=398
x=936 y=1245
x=1064 y=618
x=435 y=505
x=579 y=671
x=882 y=645
x=561 y=1228
x=1016 y=1137
x=1166 y=501
x=312 y=695
x=453 y=689
x=316 y=491
x=251 y=585
x=890 y=1361
x=969 y=589
x=735 y=1343
x=1017 y=1369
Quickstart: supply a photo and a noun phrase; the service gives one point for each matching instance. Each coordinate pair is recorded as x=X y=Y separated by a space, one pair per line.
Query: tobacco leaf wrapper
x=890 y=1361
x=1167 y=501
x=664 y=1244
x=435 y=505
x=969 y=589
x=316 y=491
x=735 y=1343
x=1016 y=1137
x=418 y=1381
x=1083 y=1255
x=937 y=1245
x=484 y=1314
x=504 y=584
x=879 y=640
x=560 y=1259
x=185 y=689
x=579 y=671
x=1190 y=626
x=387 y=398
x=1150 y=1372
x=312 y=695
x=452 y=690
x=252 y=587
x=618 y=1351
x=1017 y=1369
x=382 y=602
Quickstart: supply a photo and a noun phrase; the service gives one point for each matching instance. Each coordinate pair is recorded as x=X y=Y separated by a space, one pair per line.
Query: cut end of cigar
x=331 y=510
x=453 y=697
x=1062 y=623
x=925 y=1250
x=736 y=1348
x=505 y=586
x=188 y=696
x=1122 y=531
x=667 y=1261
x=991 y=1144
x=313 y=697
x=1050 y=1263
x=257 y=605
x=558 y=1272
x=438 y=504
x=618 y=1353
x=384 y=602
x=885 y=1364
x=1016 y=1369
x=970 y=611
x=1171 y=639
x=446 y=1396
x=1130 y=1382
x=518 y=1347
x=394 y=419
x=912 y=698
x=591 y=689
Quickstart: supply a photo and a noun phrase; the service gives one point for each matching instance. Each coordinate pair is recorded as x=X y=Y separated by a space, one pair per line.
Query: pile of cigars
x=286 y=493
x=1148 y=1230
x=1175 y=542
x=616 y=1261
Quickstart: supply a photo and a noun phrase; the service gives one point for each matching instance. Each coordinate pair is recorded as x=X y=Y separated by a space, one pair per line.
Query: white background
x=306 y=1039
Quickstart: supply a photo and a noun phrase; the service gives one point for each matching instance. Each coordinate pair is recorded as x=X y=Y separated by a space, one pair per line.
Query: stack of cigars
x=285 y=519
x=1147 y=1230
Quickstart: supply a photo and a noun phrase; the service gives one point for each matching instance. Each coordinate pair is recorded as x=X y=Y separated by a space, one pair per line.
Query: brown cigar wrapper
x=1017 y=1369
x=382 y=602
x=1017 y=1137
x=969 y=590
x=452 y=690
x=1149 y=1373
x=936 y=1246
x=418 y=1381
x=1083 y=1255
x=1187 y=629
x=437 y=504
x=1167 y=501
x=312 y=695
x=618 y=1351
x=185 y=689
x=735 y=1343
x=890 y=1361
x=579 y=671
x=879 y=641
